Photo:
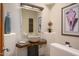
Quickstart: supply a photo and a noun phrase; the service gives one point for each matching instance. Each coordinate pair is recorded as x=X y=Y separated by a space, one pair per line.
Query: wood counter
x=29 y=44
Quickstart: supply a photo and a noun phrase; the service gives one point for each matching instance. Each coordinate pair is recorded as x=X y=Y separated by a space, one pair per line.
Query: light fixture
x=32 y=7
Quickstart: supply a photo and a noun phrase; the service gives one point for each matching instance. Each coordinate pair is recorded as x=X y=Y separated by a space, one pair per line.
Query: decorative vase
x=49 y=30
x=7 y=25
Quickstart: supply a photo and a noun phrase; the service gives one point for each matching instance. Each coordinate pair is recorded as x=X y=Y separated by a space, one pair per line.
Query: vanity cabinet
x=33 y=48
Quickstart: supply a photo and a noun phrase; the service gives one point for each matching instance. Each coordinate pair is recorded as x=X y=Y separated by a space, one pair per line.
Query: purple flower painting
x=71 y=18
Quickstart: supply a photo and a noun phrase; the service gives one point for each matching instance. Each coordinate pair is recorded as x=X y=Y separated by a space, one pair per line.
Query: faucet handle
x=67 y=42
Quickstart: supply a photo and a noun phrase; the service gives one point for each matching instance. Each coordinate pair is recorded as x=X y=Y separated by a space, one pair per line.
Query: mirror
x=31 y=20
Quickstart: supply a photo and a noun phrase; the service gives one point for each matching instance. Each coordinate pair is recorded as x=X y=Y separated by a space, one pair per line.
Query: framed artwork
x=70 y=20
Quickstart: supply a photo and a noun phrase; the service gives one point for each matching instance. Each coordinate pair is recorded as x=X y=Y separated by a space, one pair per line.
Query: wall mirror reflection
x=31 y=19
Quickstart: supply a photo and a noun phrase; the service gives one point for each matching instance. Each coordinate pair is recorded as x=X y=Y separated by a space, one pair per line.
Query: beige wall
x=54 y=14
x=56 y=19
x=26 y=14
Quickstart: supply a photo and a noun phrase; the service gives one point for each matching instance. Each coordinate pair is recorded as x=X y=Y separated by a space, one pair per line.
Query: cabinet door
x=33 y=50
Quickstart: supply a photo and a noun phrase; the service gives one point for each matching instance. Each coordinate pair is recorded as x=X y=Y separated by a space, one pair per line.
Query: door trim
x=2 y=32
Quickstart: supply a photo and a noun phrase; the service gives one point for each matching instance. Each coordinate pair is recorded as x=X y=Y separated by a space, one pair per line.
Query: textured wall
x=56 y=19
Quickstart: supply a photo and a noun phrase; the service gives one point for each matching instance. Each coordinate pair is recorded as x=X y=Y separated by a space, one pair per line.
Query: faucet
x=68 y=44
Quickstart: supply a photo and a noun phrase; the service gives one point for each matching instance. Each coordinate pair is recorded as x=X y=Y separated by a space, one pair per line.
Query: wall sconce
x=50 y=27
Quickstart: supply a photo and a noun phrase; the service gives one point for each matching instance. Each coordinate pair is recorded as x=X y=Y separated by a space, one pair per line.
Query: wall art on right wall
x=70 y=20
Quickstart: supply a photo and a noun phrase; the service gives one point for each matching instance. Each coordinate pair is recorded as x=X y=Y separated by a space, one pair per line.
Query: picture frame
x=70 y=20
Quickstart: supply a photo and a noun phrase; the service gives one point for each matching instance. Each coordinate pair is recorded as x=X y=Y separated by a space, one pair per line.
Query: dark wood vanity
x=31 y=43
x=32 y=46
